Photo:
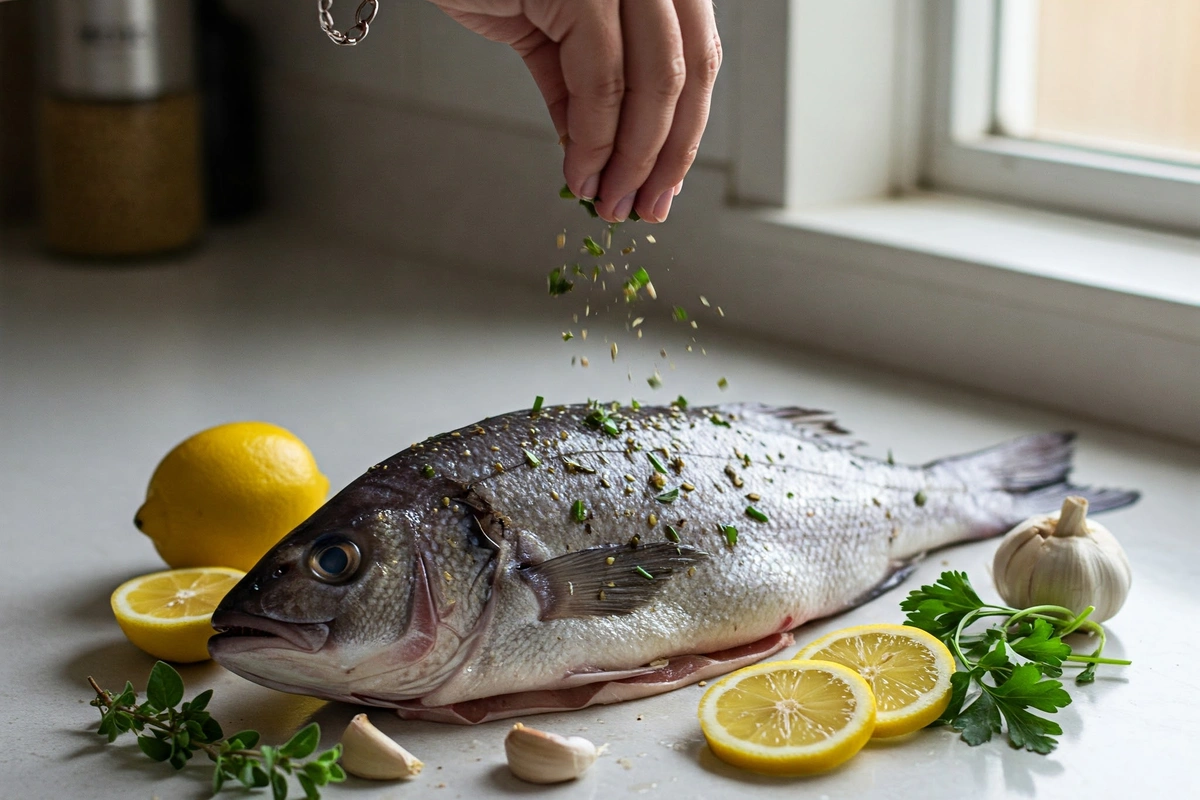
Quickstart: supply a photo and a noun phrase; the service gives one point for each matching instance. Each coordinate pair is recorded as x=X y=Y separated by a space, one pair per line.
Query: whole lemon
x=226 y=495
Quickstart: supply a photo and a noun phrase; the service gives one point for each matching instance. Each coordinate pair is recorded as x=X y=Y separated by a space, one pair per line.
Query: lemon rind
x=916 y=715
x=790 y=760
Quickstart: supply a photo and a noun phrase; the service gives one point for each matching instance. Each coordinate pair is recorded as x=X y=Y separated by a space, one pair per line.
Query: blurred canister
x=120 y=150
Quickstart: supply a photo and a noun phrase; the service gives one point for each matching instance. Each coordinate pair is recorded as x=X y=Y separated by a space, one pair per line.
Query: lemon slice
x=168 y=614
x=908 y=670
x=788 y=717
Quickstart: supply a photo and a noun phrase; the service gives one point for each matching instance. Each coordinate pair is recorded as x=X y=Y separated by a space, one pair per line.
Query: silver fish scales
x=590 y=554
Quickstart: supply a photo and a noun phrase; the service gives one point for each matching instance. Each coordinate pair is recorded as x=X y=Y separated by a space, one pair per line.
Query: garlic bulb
x=1063 y=559
x=540 y=757
x=370 y=753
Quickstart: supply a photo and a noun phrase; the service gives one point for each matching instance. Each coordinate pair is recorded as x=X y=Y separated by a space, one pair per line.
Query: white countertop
x=104 y=368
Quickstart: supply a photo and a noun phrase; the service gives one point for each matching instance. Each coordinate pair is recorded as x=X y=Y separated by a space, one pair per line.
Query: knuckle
x=709 y=63
x=608 y=90
x=670 y=79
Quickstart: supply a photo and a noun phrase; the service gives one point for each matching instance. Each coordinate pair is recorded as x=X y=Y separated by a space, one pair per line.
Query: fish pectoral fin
x=610 y=580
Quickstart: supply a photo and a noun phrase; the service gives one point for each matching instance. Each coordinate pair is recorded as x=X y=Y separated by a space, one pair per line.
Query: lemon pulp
x=790 y=717
x=907 y=669
x=168 y=613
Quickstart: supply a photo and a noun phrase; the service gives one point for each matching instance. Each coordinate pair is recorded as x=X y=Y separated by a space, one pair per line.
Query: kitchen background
x=431 y=143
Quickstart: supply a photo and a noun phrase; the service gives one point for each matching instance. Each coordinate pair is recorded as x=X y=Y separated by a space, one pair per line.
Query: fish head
x=343 y=608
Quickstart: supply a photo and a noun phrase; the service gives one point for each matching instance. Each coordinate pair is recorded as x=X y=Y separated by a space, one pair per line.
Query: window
x=1086 y=105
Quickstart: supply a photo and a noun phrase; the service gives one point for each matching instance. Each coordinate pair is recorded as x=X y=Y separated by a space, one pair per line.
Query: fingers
x=702 y=57
x=592 y=59
x=541 y=56
x=654 y=77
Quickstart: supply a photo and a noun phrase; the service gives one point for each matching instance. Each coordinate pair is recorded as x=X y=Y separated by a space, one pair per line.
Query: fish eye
x=334 y=562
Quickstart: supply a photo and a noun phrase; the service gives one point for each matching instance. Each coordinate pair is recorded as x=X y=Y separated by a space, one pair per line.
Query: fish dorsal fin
x=807 y=422
x=585 y=584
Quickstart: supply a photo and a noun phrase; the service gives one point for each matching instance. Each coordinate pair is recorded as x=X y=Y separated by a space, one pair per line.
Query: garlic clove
x=540 y=757
x=368 y=752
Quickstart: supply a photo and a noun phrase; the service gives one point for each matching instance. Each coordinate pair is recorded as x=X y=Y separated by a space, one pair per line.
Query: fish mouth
x=238 y=632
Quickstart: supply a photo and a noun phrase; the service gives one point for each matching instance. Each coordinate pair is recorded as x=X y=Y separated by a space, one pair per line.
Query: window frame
x=965 y=154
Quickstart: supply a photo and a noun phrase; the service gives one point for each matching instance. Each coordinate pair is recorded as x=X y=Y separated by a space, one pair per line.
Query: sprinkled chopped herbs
x=531 y=459
x=754 y=513
x=634 y=404
x=561 y=240
x=672 y=534
x=716 y=420
x=890 y=459
x=656 y=463
x=637 y=322
x=680 y=402
x=687 y=487
x=919 y=498
x=537 y=403
x=657 y=480
x=614 y=351
x=575 y=467
x=565 y=193
x=655 y=381
x=790 y=495
x=668 y=497
x=568 y=336
x=722 y=384
x=592 y=247
x=641 y=571
x=650 y=291
x=583 y=362
x=557 y=282
x=427 y=471
x=578 y=511
x=704 y=301
x=641 y=277
x=730 y=533
x=679 y=314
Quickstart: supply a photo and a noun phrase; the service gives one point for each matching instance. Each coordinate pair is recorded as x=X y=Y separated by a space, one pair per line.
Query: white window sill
x=1135 y=278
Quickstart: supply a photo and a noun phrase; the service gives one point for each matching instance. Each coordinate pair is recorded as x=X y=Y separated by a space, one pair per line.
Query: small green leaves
x=920 y=498
x=1012 y=664
x=642 y=571
x=755 y=514
x=655 y=381
x=716 y=420
x=604 y=420
x=531 y=459
x=656 y=462
x=165 y=687
x=722 y=384
x=592 y=247
x=640 y=277
x=730 y=533
x=537 y=401
x=668 y=497
x=557 y=283
x=672 y=534
x=578 y=511
x=173 y=733
x=679 y=314
x=427 y=471
x=680 y=402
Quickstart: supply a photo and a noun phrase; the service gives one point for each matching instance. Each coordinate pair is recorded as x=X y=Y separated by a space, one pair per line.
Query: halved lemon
x=788 y=717
x=168 y=614
x=908 y=670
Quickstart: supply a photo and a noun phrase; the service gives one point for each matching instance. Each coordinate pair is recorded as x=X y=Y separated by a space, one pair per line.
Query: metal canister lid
x=121 y=49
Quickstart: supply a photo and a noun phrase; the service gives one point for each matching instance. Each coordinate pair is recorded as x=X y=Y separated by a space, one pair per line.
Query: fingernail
x=624 y=207
x=678 y=187
x=662 y=206
x=590 y=187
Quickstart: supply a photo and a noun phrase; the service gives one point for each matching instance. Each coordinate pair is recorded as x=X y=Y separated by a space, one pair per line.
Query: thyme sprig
x=171 y=732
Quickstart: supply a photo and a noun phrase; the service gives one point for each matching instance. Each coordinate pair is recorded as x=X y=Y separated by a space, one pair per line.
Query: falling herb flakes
x=730 y=533
x=590 y=245
x=668 y=497
x=655 y=381
x=656 y=463
x=920 y=498
x=557 y=282
x=531 y=459
x=722 y=384
x=716 y=420
x=427 y=471
x=672 y=534
x=679 y=314
x=537 y=403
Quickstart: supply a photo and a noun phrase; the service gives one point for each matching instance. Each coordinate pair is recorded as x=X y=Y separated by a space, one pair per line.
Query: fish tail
x=1032 y=471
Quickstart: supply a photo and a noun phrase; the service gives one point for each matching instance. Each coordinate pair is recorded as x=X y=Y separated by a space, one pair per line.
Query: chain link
x=363 y=17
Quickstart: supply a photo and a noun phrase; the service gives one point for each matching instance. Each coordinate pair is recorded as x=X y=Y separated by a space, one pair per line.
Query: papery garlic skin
x=368 y=752
x=1063 y=559
x=540 y=757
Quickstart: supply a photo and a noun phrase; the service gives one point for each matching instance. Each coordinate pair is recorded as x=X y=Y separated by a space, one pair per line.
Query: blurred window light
x=1121 y=76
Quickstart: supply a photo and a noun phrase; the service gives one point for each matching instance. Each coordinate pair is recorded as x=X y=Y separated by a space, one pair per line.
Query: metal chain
x=363 y=18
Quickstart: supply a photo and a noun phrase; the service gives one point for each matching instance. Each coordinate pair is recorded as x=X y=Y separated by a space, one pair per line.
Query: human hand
x=627 y=82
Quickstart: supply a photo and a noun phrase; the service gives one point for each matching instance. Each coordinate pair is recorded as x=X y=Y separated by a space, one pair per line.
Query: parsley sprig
x=1013 y=664
x=168 y=731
